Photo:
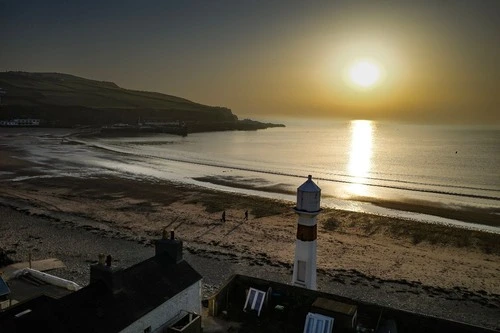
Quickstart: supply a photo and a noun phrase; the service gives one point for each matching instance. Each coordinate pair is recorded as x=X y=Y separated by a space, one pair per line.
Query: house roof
x=288 y=306
x=95 y=308
x=25 y=287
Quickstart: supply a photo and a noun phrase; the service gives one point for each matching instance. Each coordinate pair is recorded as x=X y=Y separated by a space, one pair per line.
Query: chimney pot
x=309 y=177
x=111 y=277
x=170 y=246
x=101 y=258
x=108 y=260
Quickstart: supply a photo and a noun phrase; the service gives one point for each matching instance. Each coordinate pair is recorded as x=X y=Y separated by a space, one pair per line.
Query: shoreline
x=428 y=268
x=483 y=218
x=468 y=214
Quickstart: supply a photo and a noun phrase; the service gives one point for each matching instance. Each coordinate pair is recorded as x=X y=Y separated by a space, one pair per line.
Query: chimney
x=102 y=271
x=171 y=246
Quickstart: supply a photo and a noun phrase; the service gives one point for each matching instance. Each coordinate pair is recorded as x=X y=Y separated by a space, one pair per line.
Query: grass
x=63 y=89
x=331 y=224
x=415 y=232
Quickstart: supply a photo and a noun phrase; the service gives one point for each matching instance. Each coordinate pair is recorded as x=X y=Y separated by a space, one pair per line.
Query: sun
x=364 y=74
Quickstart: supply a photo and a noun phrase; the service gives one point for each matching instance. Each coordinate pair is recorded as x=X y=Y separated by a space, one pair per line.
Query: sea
x=354 y=162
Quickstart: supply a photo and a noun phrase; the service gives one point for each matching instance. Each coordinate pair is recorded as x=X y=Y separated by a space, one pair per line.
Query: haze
x=438 y=61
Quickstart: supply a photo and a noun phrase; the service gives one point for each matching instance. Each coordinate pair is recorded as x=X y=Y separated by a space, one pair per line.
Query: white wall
x=306 y=251
x=188 y=300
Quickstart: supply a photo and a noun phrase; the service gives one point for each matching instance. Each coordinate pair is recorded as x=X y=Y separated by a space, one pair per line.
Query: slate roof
x=23 y=289
x=297 y=302
x=97 y=309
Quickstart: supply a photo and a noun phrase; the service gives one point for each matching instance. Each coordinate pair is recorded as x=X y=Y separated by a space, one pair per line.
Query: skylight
x=255 y=300
x=316 y=323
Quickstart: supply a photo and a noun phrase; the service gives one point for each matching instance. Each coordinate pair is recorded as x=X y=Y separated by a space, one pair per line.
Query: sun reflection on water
x=360 y=155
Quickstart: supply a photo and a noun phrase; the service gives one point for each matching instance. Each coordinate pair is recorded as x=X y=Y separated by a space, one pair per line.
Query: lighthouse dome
x=308 y=196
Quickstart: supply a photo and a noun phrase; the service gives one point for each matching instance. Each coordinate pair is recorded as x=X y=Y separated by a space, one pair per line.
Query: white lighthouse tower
x=304 y=266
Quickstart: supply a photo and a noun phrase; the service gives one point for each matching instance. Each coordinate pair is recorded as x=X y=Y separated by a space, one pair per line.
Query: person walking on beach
x=246 y=215
x=223 y=218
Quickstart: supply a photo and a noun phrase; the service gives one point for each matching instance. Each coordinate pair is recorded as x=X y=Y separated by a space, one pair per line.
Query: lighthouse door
x=301 y=271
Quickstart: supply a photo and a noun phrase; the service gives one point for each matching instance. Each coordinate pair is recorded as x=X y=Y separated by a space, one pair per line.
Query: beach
x=427 y=268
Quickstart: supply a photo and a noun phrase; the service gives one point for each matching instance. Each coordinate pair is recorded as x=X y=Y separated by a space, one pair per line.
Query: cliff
x=62 y=100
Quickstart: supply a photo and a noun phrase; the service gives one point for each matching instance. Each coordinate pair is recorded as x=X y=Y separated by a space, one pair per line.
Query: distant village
x=55 y=100
x=18 y=122
x=28 y=122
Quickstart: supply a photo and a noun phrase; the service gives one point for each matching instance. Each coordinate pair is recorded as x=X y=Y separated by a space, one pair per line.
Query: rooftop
x=105 y=305
x=285 y=309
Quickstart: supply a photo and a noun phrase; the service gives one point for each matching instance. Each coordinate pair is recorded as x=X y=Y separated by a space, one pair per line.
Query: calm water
x=456 y=166
x=348 y=159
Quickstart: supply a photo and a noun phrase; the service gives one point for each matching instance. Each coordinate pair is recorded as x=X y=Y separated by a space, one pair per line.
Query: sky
x=437 y=61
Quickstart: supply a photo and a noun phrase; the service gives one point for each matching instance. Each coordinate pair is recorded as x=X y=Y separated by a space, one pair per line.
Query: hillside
x=63 y=100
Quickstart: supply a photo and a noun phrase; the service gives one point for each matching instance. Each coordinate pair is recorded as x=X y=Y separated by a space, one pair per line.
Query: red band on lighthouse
x=307 y=233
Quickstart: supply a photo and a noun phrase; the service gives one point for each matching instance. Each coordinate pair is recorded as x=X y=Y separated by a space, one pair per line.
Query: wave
x=422 y=183
x=418 y=188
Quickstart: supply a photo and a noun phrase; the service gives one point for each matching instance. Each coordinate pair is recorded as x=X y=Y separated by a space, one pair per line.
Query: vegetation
x=62 y=100
x=417 y=232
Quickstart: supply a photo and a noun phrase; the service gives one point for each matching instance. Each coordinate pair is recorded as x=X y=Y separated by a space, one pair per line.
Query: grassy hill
x=67 y=100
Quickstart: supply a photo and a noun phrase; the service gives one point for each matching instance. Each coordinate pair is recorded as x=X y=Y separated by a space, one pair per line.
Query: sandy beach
x=428 y=268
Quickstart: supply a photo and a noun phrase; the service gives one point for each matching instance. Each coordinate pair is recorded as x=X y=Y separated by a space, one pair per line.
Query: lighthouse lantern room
x=308 y=207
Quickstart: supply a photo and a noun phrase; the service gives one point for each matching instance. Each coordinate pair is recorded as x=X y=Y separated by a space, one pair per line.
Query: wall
x=306 y=251
x=188 y=300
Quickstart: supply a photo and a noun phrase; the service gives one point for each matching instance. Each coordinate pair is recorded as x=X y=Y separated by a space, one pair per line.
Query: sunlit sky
x=436 y=61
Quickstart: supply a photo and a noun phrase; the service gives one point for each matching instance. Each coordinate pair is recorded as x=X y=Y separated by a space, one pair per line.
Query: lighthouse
x=307 y=209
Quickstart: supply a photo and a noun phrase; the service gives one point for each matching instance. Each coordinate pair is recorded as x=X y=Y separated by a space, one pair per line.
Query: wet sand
x=432 y=269
x=474 y=215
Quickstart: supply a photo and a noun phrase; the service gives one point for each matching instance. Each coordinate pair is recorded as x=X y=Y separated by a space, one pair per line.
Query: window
x=316 y=323
x=301 y=271
x=255 y=300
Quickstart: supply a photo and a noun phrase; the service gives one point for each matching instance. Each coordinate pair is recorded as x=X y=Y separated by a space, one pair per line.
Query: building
x=24 y=122
x=160 y=294
x=26 y=283
x=258 y=305
x=307 y=209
